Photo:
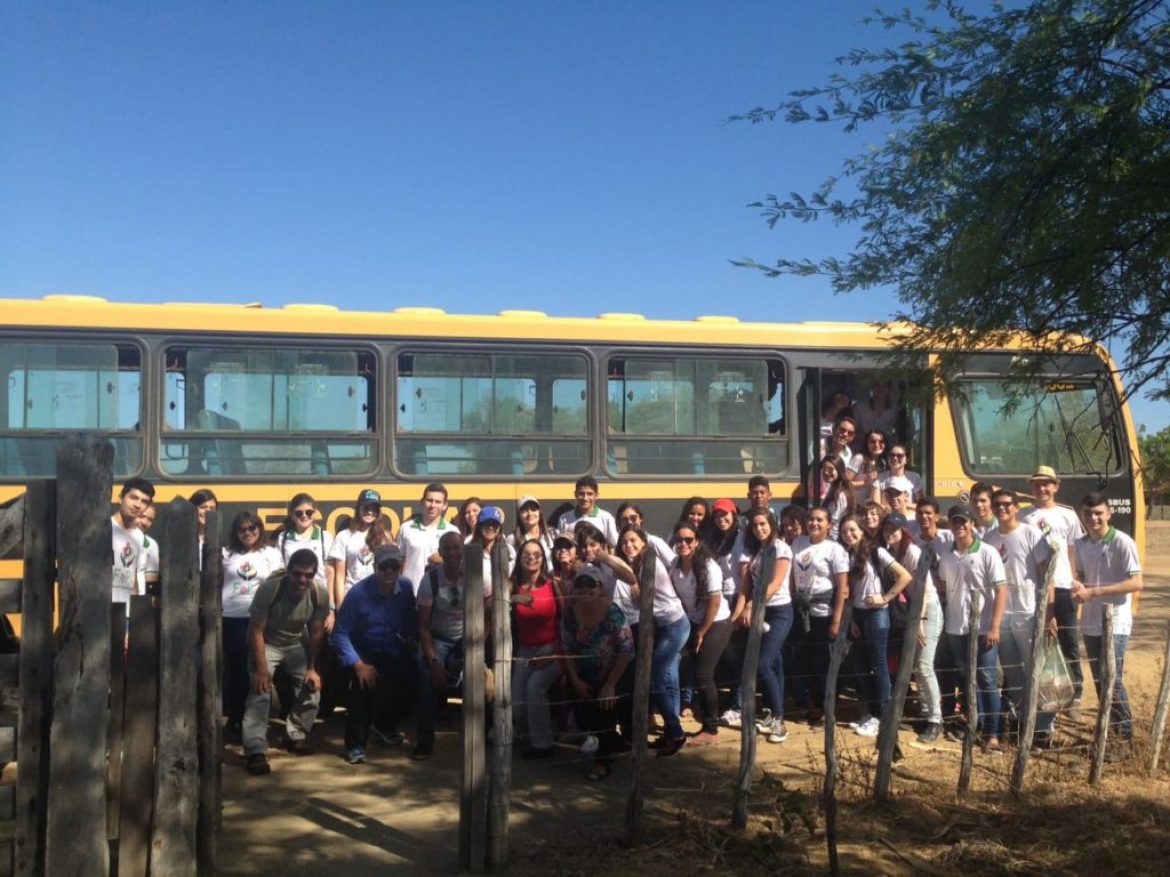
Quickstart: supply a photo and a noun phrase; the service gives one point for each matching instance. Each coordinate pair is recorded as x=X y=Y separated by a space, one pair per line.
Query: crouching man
x=282 y=608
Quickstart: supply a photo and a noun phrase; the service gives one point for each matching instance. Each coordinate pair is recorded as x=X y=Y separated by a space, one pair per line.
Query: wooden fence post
x=75 y=836
x=747 y=688
x=1159 y=729
x=639 y=705
x=36 y=676
x=473 y=802
x=1028 y=719
x=888 y=733
x=208 y=700
x=972 y=685
x=176 y=770
x=118 y=630
x=837 y=653
x=137 y=804
x=501 y=754
x=1107 y=674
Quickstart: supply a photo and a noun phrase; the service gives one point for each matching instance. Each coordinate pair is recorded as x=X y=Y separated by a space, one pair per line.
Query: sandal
x=599 y=772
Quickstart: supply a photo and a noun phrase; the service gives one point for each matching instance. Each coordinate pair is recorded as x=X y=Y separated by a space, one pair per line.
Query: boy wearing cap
x=281 y=609
x=1025 y=554
x=1107 y=571
x=418 y=537
x=1063 y=528
x=898 y=494
x=374 y=637
x=972 y=567
x=585 y=492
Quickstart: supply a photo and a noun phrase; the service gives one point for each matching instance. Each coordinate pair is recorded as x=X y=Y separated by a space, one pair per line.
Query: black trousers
x=384 y=705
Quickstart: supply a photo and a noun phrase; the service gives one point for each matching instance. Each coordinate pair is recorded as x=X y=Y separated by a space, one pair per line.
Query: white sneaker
x=869 y=728
x=777 y=733
x=864 y=720
x=764 y=721
x=731 y=719
x=589 y=746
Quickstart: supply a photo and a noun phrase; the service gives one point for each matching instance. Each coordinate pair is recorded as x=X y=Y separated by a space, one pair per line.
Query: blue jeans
x=1120 y=719
x=428 y=696
x=669 y=640
x=875 y=639
x=986 y=679
x=771 y=671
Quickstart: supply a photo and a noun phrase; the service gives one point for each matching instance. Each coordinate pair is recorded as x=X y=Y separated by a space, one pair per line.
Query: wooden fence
x=110 y=778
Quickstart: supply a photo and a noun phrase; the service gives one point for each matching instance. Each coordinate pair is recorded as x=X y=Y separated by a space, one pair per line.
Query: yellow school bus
x=259 y=403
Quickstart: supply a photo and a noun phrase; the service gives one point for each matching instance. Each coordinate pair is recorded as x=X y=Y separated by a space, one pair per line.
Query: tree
x=1155 y=448
x=1023 y=182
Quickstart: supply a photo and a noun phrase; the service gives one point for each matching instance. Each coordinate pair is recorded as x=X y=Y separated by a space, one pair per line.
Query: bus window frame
x=91 y=339
x=1096 y=379
x=626 y=352
x=399 y=468
x=162 y=434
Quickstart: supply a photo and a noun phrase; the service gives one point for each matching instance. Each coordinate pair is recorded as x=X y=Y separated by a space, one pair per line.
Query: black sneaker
x=671 y=746
x=930 y=733
x=422 y=752
x=955 y=735
x=257 y=765
x=1042 y=741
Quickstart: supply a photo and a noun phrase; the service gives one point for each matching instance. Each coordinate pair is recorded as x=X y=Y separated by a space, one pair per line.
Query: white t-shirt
x=783 y=596
x=151 y=562
x=599 y=518
x=1022 y=551
x=448 y=606
x=815 y=567
x=857 y=467
x=487 y=561
x=910 y=560
x=686 y=586
x=1063 y=528
x=129 y=560
x=350 y=547
x=976 y=570
x=418 y=543
x=869 y=419
x=1111 y=560
x=619 y=592
x=870 y=583
x=243 y=574
x=316 y=539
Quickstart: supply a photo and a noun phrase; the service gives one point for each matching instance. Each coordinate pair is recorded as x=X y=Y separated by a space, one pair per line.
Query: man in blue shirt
x=375 y=635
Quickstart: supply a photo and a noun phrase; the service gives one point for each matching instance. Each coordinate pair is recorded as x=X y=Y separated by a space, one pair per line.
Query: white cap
x=900 y=483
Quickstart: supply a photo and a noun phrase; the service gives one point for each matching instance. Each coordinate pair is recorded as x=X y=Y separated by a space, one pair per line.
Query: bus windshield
x=1004 y=429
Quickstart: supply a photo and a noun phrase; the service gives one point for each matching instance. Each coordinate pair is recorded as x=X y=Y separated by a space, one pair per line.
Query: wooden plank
x=10 y=596
x=1160 y=712
x=643 y=655
x=75 y=835
x=12 y=528
x=136 y=807
x=888 y=733
x=176 y=767
x=972 y=688
x=36 y=669
x=116 y=718
x=9 y=670
x=500 y=772
x=1108 y=673
x=837 y=653
x=747 y=688
x=7 y=746
x=208 y=700
x=474 y=787
x=1028 y=718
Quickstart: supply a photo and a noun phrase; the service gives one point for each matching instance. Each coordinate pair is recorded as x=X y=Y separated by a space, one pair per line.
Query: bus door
x=808 y=406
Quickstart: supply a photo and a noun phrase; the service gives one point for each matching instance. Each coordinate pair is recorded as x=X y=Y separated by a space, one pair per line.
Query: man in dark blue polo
x=375 y=636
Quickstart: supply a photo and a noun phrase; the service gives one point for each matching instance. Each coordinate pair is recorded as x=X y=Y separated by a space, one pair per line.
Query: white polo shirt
x=1111 y=560
x=976 y=570
x=1022 y=551
x=599 y=518
x=418 y=543
x=815 y=567
x=1063 y=528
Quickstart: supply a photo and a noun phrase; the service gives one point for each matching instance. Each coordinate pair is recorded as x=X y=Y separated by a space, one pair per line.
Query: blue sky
x=568 y=157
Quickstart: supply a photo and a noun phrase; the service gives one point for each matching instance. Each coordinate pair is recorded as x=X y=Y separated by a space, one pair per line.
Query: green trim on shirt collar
x=1108 y=537
x=975 y=543
x=441 y=525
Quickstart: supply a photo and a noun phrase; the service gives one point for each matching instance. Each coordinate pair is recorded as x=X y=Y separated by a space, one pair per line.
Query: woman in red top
x=535 y=667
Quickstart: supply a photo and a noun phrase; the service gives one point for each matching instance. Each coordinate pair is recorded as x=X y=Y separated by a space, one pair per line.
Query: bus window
x=56 y=388
x=1066 y=425
x=518 y=414
x=696 y=416
x=269 y=412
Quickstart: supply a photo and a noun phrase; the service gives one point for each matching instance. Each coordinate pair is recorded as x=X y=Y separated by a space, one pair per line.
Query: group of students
x=377 y=617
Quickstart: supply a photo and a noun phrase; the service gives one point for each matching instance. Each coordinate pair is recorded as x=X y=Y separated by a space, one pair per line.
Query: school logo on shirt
x=804 y=561
x=1044 y=526
x=247 y=572
x=364 y=553
x=126 y=555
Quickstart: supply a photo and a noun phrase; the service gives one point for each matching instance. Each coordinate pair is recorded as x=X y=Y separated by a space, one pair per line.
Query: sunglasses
x=1002 y=505
x=585 y=586
x=388 y=565
x=453 y=598
x=897 y=456
x=304 y=513
x=249 y=528
x=687 y=540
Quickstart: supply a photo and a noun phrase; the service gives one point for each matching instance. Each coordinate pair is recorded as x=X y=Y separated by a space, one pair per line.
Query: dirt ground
x=396 y=816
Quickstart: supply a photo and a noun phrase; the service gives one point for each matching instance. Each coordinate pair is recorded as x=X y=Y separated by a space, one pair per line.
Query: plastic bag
x=1055 y=691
